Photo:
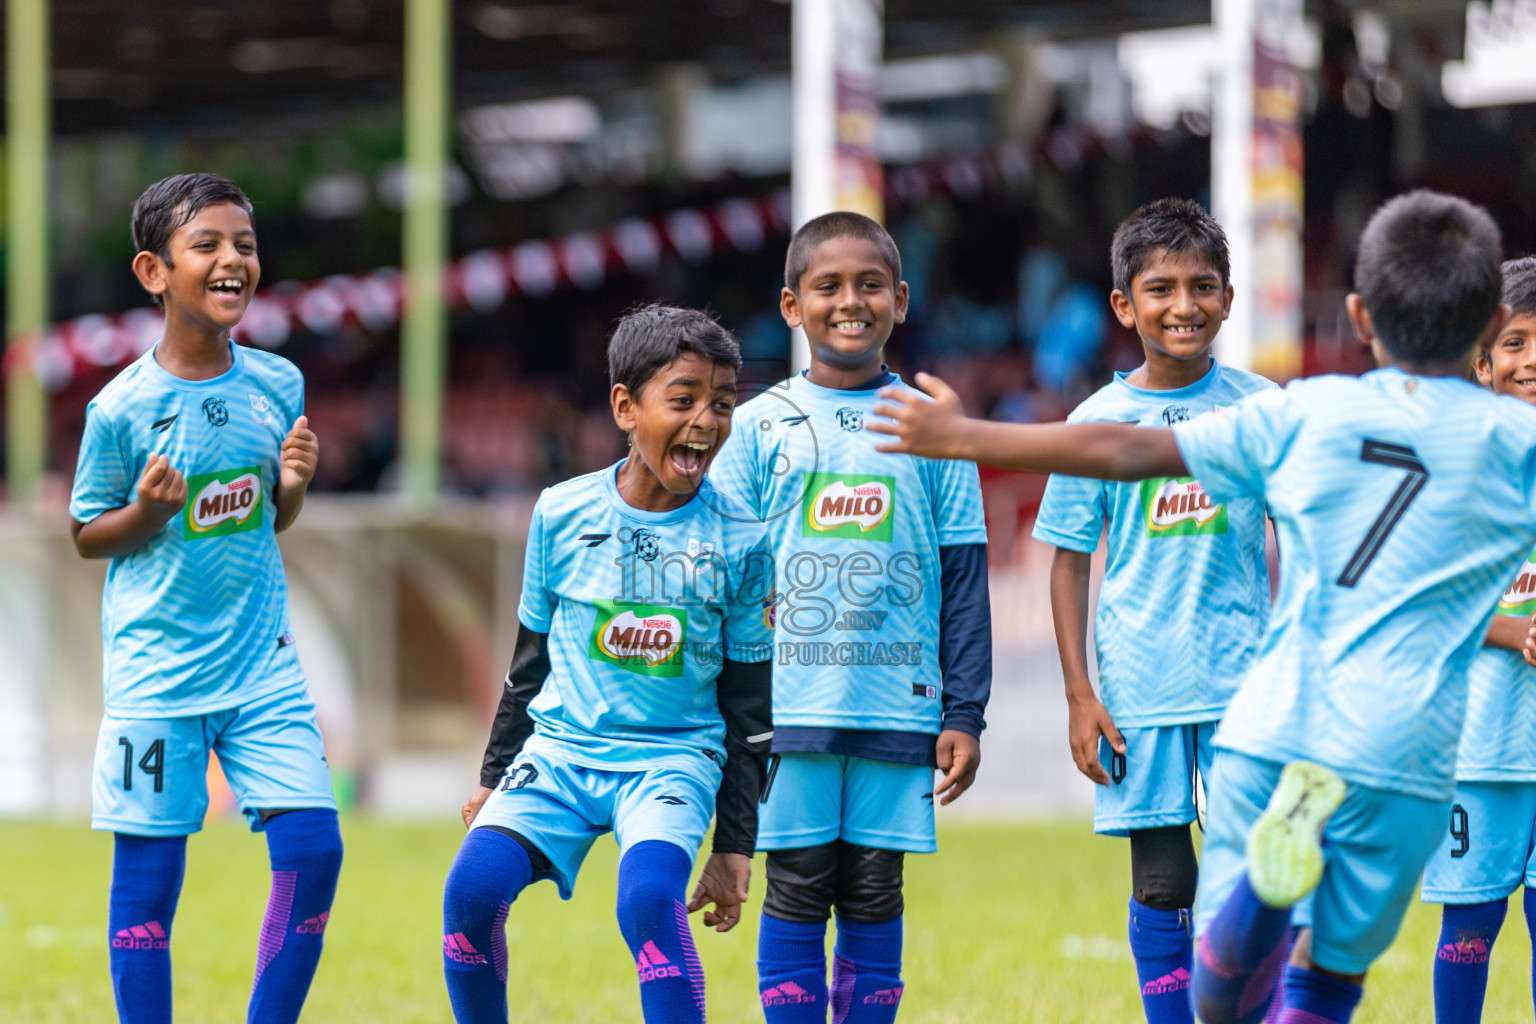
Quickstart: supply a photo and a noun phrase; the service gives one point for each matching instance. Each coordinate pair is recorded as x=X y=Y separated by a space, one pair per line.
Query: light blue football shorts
x=151 y=774
x=562 y=808
x=1374 y=849
x=1487 y=844
x=1157 y=782
x=814 y=799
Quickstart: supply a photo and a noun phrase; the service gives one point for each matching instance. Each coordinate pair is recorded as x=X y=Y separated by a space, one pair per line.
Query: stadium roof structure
x=206 y=62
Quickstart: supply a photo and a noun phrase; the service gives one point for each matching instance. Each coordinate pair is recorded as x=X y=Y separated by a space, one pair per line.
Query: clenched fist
x=162 y=490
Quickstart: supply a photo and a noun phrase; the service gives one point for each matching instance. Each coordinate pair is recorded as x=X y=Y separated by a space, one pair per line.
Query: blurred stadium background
x=600 y=153
x=591 y=154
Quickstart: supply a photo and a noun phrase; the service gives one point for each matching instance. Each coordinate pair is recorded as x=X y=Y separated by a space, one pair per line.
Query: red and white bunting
x=482 y=280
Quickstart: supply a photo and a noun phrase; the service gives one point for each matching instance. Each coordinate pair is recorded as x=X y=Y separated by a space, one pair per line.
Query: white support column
x=1232 y=167
x=1256 y=182
x=836 y=50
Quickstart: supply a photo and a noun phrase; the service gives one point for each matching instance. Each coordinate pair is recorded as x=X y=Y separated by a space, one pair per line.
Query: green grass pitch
x=1007 y=923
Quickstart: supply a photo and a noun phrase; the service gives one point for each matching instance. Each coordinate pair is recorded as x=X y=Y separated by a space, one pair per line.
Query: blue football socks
x=146 y=883
x=1163 y=951
x=1529 y=901
x=1240 y=958
x=1312 y=997
x=792 y=970
x=490 y=870
x=866 y=972
x=1467 y=932
x=653 y=877
x=304 y=848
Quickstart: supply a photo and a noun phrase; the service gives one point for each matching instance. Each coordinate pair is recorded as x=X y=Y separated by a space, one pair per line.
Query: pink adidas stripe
x=274 y=928
x=691 y=962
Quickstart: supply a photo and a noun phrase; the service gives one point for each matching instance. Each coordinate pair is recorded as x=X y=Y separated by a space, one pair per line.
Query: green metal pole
x=424 y=326
x=26 y=243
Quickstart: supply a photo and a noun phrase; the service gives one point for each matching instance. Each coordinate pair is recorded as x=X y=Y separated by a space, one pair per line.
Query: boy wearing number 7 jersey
x=1489 y=849
x=194 y=458
x=1404 y=501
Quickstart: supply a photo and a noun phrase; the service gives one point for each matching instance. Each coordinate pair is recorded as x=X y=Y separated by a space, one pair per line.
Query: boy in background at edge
x=1490 y=849
x=1404 y=502
x=1185 y=596
x=194 y=458
x=638 y=699
x=882 y=633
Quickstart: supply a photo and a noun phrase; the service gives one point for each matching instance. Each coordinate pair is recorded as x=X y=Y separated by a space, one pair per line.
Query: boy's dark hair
x=837 y=224
x=650 y=337
x=1167 y=225
x=1519 y=289
x=171 y=202
x=1428 y=273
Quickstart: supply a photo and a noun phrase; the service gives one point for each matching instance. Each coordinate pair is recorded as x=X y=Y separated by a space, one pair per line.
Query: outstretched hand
x=929 y=427
x=723 y=882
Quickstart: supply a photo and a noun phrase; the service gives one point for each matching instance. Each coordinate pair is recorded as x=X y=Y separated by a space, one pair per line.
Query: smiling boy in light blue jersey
x=1489 y=850
x=638 y=697
x=1404 y=502
x=194 y=458
x=1185 y=596
x=883 y=661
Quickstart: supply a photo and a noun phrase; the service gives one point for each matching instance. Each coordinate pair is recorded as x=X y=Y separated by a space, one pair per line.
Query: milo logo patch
x=1520 y=598
x=849 y=505
x=224 y=502
x=643 y=638
x=1180 y=508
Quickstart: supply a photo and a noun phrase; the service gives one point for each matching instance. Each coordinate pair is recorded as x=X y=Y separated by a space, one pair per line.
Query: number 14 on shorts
x=152 y=763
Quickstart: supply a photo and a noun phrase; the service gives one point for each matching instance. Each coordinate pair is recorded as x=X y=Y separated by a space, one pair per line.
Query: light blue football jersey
x=196 y=620
x=1498 y=742
x=641 y=609
x=1185 y=596
x=1404 y=506
x=856 y=536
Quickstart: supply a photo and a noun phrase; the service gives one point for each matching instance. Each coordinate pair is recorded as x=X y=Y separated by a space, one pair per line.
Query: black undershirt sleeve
x=745 y=692
x=513 y=726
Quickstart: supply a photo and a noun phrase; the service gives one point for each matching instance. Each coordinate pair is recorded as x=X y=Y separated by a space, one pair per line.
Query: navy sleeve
x=745 y=691
x=965 y=636
x=513 y=725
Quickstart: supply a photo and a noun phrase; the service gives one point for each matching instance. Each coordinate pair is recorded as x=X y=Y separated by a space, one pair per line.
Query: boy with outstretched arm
x=1404 y=502
x=1489 y=848
x=194 y=458
x=1185 y=595
x=882 y=635
x=638 y=699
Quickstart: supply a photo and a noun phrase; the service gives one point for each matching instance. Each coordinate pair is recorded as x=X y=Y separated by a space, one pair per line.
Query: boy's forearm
x=1070 y=571
x=1508 y=632
x=1103 y=451
x=287 y=502
x=116 y=532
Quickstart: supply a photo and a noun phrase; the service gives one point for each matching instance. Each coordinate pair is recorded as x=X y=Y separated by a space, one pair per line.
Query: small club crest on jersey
x=700 y=549
x=647 y=545
x=1175 y=414
x=216 y=411
x=850 y=419
x=261 y=407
